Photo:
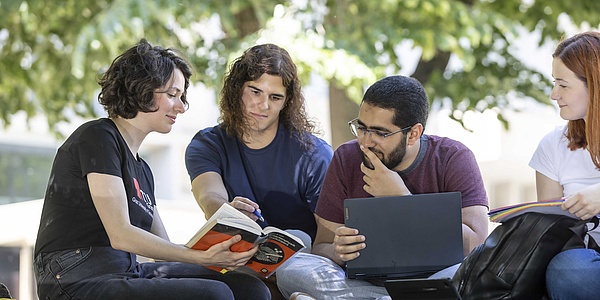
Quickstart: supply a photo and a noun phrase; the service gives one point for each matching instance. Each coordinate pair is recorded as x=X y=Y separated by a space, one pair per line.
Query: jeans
x=106 y=273
x=322 y=278
x=574 y=274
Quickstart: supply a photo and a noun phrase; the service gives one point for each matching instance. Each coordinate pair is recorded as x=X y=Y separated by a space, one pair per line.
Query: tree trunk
x=342 y=109
x=425 y=68
x=247 y=22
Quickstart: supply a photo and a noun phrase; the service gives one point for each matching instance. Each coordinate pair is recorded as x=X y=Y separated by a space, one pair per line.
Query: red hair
x=581 y=54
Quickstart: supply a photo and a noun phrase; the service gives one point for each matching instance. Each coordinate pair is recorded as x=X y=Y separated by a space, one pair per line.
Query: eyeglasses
x=360 y=131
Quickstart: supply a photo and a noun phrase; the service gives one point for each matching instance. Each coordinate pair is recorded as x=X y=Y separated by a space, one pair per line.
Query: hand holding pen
x=258 y=215
x=248 y=207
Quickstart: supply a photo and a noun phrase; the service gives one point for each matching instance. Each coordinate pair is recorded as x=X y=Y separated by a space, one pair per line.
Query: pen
x=260 y=217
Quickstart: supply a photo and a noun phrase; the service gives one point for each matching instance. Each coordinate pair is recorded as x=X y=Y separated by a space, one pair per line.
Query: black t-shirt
x=69 y=218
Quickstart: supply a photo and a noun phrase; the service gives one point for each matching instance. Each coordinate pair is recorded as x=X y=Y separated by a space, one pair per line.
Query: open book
x=275 y=246
x=504 y=213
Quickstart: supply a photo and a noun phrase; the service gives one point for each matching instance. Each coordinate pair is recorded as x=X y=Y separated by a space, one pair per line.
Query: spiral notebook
x=409 y=236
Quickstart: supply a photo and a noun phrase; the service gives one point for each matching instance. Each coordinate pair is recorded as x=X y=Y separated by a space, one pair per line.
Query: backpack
x=512 y=261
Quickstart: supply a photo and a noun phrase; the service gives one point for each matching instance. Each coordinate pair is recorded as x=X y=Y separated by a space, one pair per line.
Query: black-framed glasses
x=360 y=131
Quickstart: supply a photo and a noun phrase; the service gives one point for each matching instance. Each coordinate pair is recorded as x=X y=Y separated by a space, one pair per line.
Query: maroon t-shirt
x=442 y=165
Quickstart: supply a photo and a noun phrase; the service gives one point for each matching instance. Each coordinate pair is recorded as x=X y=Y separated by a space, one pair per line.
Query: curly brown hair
x=254 y=62
x=129 y=83
x=581 y=54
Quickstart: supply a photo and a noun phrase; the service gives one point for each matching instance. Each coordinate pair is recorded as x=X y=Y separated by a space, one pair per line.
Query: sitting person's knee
x=306 y=240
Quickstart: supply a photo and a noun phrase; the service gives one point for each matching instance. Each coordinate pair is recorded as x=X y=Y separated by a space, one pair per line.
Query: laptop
x=410 y=236
x=418 y=289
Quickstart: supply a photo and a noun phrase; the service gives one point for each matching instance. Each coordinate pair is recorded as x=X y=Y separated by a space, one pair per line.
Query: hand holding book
x=223 y=258
x=275 y=246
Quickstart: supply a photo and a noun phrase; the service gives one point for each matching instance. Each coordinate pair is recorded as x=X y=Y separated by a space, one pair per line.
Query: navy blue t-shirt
x=283 y=178
x=69 y=219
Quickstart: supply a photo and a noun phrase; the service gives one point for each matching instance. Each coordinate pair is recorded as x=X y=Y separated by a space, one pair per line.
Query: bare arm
x=210 y=193
x=584 y=203
x=547 y=189
x=474 y=227
x=158 y=228
x=323 y=244
x=110 y=201
x=337 y=242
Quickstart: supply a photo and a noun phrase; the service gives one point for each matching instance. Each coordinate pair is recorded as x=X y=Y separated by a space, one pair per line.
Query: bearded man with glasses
x=391 y=156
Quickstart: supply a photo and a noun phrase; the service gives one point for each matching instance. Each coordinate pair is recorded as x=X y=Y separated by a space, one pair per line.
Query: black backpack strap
x=595 y=221
x=592 y=244
x=581 y=230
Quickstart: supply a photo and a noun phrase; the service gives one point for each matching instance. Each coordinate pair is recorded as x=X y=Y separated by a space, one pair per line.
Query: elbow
x=118 y=243
x=481 y=238
x=477 y=237
x=117 y=246
x=473 y=237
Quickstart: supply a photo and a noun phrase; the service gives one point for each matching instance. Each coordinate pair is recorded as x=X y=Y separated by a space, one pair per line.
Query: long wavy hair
x=254 y=62
x=581 y=54
x=128 y=86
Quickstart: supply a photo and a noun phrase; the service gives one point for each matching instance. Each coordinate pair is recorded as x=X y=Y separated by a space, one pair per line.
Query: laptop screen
x=409 y=236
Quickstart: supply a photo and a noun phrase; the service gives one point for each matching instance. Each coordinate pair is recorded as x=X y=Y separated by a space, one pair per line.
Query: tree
x=467 y=48
x=51 y=53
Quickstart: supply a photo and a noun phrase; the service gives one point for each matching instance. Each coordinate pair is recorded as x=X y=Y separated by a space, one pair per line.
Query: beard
x=390 y=161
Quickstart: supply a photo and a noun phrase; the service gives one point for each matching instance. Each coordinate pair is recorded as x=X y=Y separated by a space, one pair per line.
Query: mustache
x=376 y=151
x=367 y=162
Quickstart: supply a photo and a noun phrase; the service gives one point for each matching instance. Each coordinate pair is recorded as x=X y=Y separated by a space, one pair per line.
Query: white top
x=574 y=170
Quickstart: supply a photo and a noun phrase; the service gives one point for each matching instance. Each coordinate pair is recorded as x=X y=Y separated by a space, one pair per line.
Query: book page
x=242 y=224
x=273 y=252
x=228 y=211
x=234 y=217
x=269 y=229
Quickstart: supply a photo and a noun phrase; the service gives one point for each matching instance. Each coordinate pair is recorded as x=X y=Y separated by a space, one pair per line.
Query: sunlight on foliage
x=52 y=52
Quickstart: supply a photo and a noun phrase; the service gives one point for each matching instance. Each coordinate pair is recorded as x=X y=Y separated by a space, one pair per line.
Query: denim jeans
x=322 y=278
x=574 y=274
x=106 y=273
